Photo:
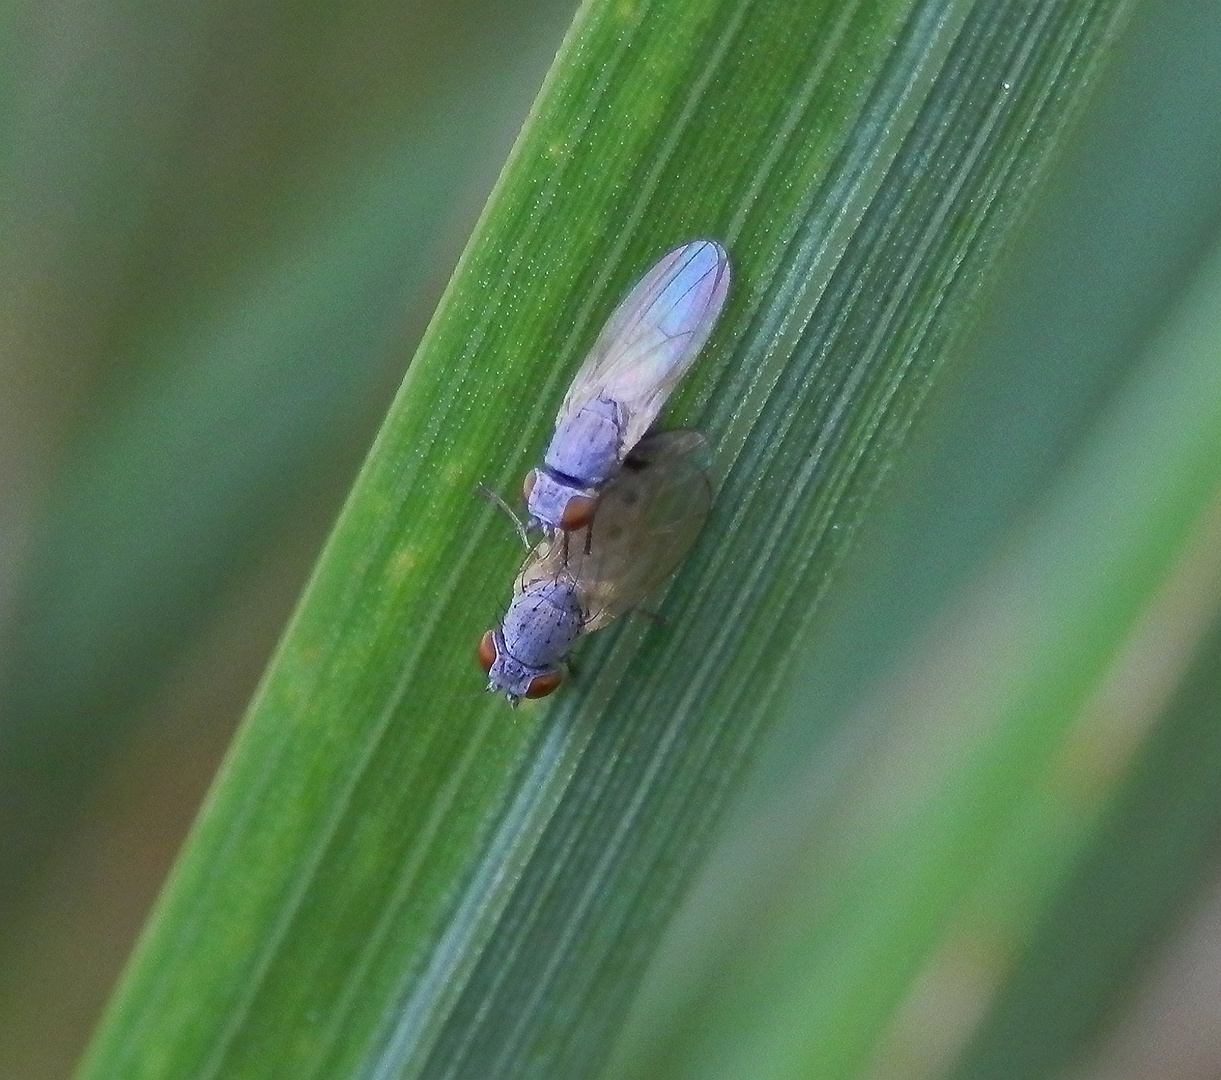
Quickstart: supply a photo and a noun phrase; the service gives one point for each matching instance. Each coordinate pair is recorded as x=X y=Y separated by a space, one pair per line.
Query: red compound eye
x=578 y=513
x=542 y=685
x=487 y=651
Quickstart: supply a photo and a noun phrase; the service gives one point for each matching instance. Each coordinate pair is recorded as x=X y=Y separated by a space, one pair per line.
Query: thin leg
x=651 y=616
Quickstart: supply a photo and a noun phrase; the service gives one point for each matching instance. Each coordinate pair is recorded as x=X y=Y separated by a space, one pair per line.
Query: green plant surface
x=1149 y=862
x=1057 y=722
x=209 y=267
x=910 y=875
x=395 y=876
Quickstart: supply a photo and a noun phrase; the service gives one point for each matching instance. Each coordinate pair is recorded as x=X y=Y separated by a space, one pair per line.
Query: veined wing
x=647 y=519
x=654 y=336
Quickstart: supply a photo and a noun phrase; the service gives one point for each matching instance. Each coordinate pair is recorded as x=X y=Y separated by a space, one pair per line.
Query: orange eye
x=542 y=685
x=487 y=651
x=528 y=484
x=578 y=513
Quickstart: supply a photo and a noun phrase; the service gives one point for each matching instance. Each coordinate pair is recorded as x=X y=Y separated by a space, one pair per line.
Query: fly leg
x=651 y=616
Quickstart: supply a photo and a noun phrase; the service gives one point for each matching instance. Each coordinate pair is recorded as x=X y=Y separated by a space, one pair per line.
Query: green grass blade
x=968 y=792
x=396 y=877
x=1148 y=864
x=198 y=321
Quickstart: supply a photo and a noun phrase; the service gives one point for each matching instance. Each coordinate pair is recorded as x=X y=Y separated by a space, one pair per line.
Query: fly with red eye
x=647 y=518
x=648 y=344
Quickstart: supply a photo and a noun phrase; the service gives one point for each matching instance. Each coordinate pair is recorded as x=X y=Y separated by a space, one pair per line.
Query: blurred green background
x=224 y=229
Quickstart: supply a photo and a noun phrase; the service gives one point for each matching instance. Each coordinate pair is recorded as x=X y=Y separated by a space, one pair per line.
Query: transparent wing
x=653 y=337
x=647 y=520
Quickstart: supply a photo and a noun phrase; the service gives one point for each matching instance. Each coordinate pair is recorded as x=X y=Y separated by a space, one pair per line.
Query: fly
x=647 y=345
x=648 y=517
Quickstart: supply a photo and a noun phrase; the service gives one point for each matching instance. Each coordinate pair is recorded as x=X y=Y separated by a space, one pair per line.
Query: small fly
x=648 y=517
x=647 y=345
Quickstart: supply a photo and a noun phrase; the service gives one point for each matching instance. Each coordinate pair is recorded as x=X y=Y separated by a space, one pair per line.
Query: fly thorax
x=541 y=624
x=586 y=445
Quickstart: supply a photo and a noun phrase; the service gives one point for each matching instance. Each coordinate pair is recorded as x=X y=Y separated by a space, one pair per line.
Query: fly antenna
x=494 y=497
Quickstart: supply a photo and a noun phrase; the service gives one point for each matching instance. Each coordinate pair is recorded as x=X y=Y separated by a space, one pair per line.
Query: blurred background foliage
x=223 y=231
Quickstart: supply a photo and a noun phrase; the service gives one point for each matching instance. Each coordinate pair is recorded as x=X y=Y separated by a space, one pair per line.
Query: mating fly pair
x=619 y=506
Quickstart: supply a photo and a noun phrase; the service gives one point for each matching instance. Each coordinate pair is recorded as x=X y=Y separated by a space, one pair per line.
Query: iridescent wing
x=654 y=336
x=647 y=519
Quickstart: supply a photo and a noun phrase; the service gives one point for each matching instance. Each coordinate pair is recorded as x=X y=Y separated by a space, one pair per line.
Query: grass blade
x=395 y=877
